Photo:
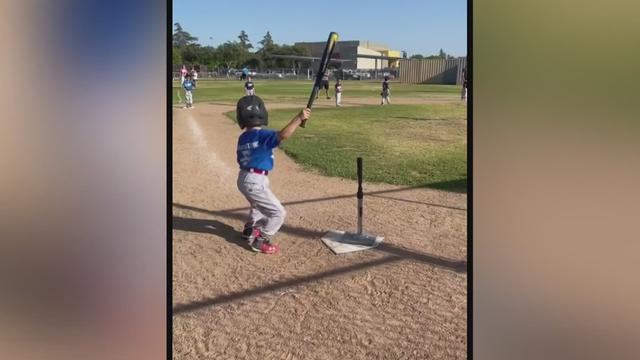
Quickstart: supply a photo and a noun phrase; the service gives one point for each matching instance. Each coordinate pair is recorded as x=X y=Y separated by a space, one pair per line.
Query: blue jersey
x=255 y=148
x=188 y=85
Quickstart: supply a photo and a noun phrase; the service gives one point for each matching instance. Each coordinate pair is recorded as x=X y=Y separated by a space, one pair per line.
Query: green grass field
x=298 y=90
x=416 y=145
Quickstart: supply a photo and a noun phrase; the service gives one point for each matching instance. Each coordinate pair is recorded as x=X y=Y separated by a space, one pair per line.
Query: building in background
x=350 y=50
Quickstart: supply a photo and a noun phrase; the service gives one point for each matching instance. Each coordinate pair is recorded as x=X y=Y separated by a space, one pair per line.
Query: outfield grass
x=417 y=145
x=298 y=90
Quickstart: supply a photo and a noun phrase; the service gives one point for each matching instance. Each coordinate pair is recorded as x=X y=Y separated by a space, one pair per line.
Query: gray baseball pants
x=266 y=213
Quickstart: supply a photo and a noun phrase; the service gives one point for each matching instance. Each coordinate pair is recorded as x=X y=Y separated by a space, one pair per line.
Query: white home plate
x=341 y=242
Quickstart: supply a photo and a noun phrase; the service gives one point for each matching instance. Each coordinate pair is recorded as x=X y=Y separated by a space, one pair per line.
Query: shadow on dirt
x=459 y=266
x=458 y=186
x=227 y=232
x=280 y=285
x=416 y=202
x=209 y=226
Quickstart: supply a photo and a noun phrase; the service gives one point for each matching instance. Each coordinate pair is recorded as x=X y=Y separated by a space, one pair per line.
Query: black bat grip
x=359 y=194
x=309 y=104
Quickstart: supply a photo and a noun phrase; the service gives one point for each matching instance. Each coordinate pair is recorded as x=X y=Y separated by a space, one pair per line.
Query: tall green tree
x=190 y=54
x=231 y=54
x=244 y=40
x=176 y=56
x=267 y=46
x=267 y=41
x=182 y=38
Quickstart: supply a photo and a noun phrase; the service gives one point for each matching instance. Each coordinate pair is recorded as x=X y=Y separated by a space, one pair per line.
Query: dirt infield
x=404 y=300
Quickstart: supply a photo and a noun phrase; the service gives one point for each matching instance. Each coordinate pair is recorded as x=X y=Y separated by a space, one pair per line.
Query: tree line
x=440 y=55
x=233 y=54
x=240 y=53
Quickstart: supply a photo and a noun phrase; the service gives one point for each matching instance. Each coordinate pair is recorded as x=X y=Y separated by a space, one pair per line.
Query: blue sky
x=417 y=26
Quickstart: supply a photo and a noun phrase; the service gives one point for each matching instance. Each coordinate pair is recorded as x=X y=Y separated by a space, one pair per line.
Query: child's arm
x=288 y=130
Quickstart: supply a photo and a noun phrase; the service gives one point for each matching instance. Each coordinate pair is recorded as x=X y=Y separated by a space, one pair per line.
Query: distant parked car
x=238 y=73
x=350 y=75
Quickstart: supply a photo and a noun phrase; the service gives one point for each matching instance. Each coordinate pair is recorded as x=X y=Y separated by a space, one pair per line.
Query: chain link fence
x=292 y=74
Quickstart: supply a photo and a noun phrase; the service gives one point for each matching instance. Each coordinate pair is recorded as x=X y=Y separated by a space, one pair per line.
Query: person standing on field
x=194 y=76
x=183 y=73
x=324 y=84
x=249 y=87
x=188 y=87
x=463 y=95
x=255 y=160
x=386 y=91
x=338 y=92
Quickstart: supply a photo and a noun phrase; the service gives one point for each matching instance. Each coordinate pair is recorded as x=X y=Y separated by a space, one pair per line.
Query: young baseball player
x=324 y=84
x=463 y=95
x=183 y=73
x=338 y=92
x=194 y=77
x=188 y=87
x=386 y=91
x=249 y=87
x=255 y=157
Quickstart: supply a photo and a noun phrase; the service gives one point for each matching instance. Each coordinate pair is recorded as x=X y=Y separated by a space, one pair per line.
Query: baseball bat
x=324 y=62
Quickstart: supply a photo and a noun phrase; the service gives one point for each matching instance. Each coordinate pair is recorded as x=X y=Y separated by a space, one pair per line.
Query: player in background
x=338 y=92
x=188 y=87
x=386 y=91
x=255 y=158
x=324 y=84
x=249 y=87
x=183 y=73
x=463 y=95
x=194 y=76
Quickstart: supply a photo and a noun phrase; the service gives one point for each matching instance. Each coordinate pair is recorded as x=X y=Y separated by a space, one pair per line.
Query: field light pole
x=343 y=242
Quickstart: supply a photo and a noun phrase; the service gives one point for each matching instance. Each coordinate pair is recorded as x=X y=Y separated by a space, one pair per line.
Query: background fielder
x=188 y=87
x=386 y=91
x=324 y=84
x=249 y=86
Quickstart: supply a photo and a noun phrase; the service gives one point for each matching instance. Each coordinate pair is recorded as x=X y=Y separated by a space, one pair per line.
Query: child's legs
x=256 y=189
x=256 y=218
x=188 y=97
x=338 y=98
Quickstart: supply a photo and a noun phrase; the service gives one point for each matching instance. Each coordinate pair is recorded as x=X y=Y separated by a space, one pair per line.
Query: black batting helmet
x=251 y=112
